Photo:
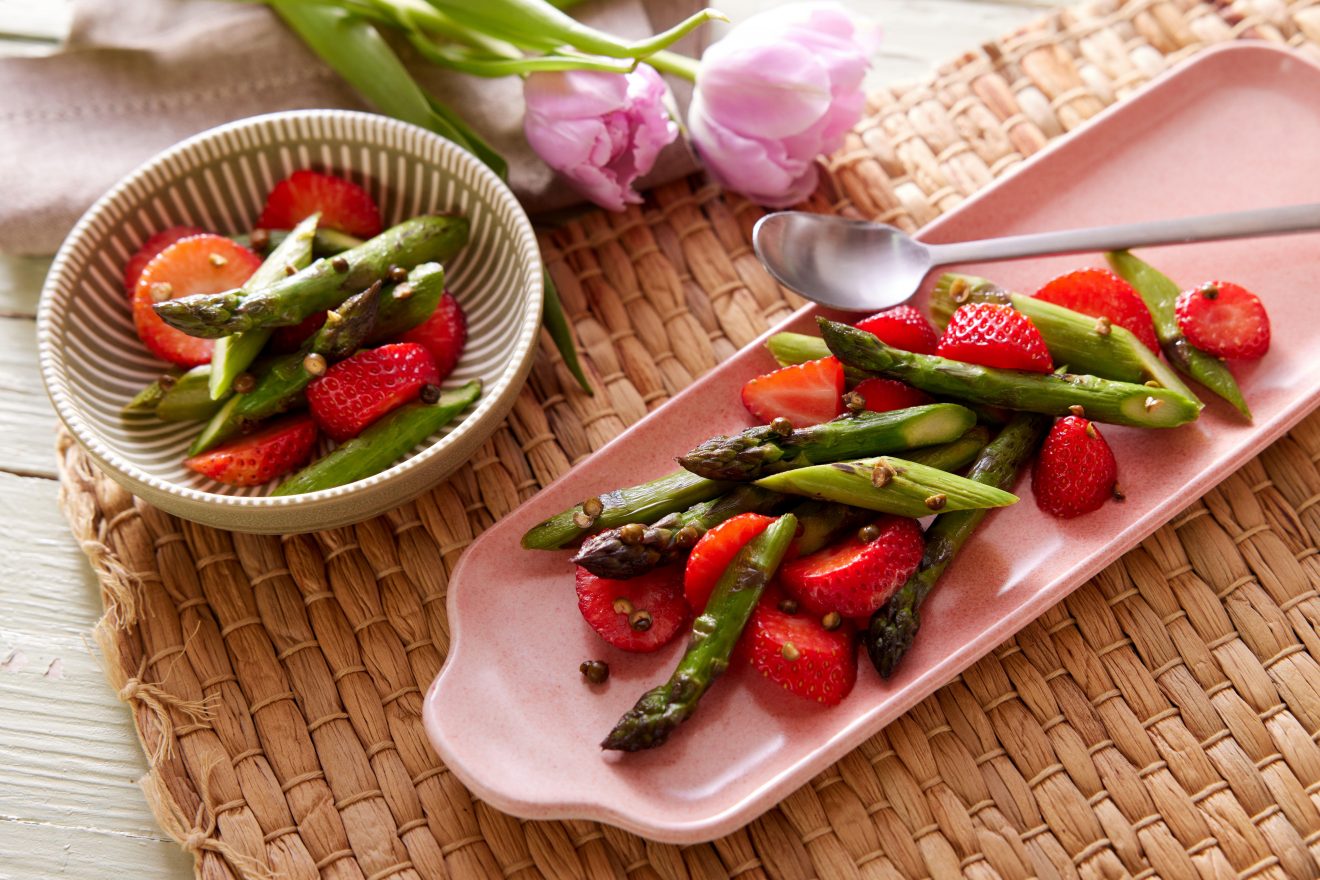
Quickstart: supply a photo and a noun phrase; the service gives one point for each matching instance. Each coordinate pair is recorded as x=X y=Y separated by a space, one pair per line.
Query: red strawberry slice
x=261 y=457
x=640 y=614
x=443 y=334
x=1075 y=472
x=902 y=327
x=796 y=652
x=1224 y=320
x=198 y=264
x=855 y=577
x=805 y=394
x=343 y=205
x=355 y=392
x=713 y=553
x=995 y=335
x=284 y=340
x=883 y=395
x=1102 y=294
x=152 y=246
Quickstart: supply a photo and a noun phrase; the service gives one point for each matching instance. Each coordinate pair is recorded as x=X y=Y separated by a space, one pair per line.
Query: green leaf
x=556 y=324
x=481 y=64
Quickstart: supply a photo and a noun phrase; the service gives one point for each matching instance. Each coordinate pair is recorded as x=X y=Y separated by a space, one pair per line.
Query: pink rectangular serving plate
x=1235 y=128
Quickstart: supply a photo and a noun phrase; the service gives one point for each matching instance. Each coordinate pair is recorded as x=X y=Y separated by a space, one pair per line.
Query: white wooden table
x=69 y=758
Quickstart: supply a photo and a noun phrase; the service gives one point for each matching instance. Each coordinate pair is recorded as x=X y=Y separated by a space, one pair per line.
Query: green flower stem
x=666 y=61
x=496 y=66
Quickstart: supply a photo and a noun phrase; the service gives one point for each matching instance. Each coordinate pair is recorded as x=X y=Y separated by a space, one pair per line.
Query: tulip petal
x=772 y=90
x=760 y=169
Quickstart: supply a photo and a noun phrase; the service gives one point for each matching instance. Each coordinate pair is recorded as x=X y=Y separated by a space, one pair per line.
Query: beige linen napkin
x=136 y=77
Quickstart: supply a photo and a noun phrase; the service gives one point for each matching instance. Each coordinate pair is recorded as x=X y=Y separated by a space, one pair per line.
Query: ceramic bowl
x=93 y=363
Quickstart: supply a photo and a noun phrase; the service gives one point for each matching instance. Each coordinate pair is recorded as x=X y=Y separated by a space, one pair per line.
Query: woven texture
x=1161 y=721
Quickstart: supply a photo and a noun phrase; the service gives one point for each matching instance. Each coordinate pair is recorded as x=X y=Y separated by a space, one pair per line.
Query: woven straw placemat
x=1161 y=721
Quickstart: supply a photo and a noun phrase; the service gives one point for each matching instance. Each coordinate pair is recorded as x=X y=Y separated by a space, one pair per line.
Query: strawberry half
x=796 y=652
x=355 y=392
x=198 y=264
x=640 y=614
x=995 y=335
x=902 y=327
x=884 y=395
x=152 y=246
x=1075 y=472
x=443 y=334
x=805 y=394
x=1224 y=320
x=261 y=457
x=343 y=205
x=712 y=554
x=855 y=577
x=1102 y=294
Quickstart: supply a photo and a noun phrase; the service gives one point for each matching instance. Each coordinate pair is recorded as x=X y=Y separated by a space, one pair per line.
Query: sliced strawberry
x=1102 y=294
x=883 y=395
x=1224 y=320
x=713 y=553
x=355 y=392
x=995 y=335
x=343 y=205
x=261 y=457
x=443 y=334
x=1075 y=472
x=855 y=577
x=284 y=340
x=152 y=246
x=805 y=394
x=198 y=264
x=639 y=614
x=796 y=652
x=902 y=327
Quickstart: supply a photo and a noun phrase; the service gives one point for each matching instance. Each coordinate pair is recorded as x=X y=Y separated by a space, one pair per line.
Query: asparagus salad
x=317 y=324
x=784 y=546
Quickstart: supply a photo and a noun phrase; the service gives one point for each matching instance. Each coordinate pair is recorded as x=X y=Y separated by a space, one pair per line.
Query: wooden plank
x=27 y=430
x=66 y=852
x=20 y=284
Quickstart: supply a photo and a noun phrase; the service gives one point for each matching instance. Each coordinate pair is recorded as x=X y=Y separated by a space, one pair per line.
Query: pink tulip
x=781 y=89
x=600 y=130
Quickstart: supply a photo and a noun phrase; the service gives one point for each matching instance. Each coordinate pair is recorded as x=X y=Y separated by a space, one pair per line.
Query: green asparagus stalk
x=767 y=449
x=177 y=396
x=893 y=627
x=632 y=550
x=146 y=400
x=796 y=348
x=1086 y=344
x=234 y=354
x=715 y=632
x=325 y=243
x=404 y=306
x=325 y=284
x=888 y=485
x=1160 y=295
x=382 y=444
x=1103 y=400
x=643 y=503
x=278 y=385
x=636 y=548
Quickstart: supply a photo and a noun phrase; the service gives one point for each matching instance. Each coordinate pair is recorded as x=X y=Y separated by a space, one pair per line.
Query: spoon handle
x=1210 y=227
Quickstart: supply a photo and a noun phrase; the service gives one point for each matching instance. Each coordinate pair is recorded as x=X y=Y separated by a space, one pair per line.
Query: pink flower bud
x=600 y=130
x=781 y=89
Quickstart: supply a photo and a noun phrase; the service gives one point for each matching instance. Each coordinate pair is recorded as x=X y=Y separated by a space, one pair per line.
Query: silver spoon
x=861 y=266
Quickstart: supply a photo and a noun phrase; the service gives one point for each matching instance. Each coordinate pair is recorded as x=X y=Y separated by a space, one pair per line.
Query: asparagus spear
x=642 y=503
x=1120 y=403
x=279 y=384
x=635 y=548
x=178 y=397
x=382 y=444
x=796 y=348
x=1160 y=295
x=1085 y=344
x=888 y=485
x=326 y=242
x=323 y=285
x=894 y=626
x=234 y=354
x=632 y=550
x=404 y=306
x=146 y=400
x=767 y=449
x=715 y=632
